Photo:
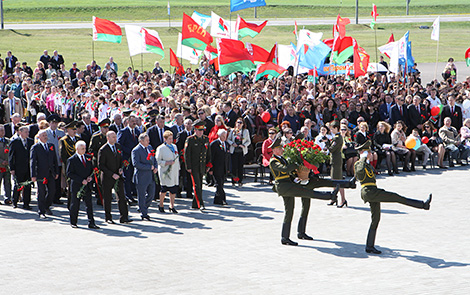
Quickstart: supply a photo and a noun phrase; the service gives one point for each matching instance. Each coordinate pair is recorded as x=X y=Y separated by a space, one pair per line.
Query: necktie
x=24 y=143
x=417 y=108
x=12 y=107
x=44 y=146
x=53 y=133
x=161 y=134
x=83 y=161
x=401 y=111
x=188 y=132
x=114 y=150
x=452 y=110
x=133 y=134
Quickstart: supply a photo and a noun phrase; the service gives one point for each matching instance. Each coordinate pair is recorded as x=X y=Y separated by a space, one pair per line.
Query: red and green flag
x=343 y=48
x=194 y=35
x=249 y=29
x=260 y=55
x=234 y=57
x=374 y=16
x=467 y=57
x=174 y=62
x=268 y=70
x=105 y=30
x=339 y=28
x=152 y=41
x=312 y=75
x=273 y=55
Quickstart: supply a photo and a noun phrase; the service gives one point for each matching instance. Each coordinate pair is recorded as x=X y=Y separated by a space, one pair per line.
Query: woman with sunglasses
x=382 y=144
x=435 y=142
x=349 y=149
x=239 y=140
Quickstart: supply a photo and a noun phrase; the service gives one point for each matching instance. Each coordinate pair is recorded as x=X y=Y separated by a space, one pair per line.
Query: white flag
x=435 y=29
x=186 y=52
x=309 y=38
x=136 y=40
x=286 y=56
x=203 y=20
x=223 y=29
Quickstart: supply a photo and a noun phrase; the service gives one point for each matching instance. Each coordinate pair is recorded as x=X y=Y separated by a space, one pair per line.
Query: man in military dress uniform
x=67 y=149
x=370 y=193
x=197 y=159
x=97 y=141
x=288 y=189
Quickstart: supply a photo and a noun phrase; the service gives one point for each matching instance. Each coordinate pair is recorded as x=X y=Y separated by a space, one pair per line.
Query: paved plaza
x=237 y=249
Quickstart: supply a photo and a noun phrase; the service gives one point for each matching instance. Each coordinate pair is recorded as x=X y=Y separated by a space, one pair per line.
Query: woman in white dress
x=168 y=170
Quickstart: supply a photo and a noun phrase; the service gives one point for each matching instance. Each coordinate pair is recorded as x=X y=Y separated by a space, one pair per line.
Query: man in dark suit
x=90 y=128
x=44 y=166
x=128 y=139
x=209 y=123
x=219 y=150
x=156 y=132
x=416 y=114
x=56 y=60
x=117 y=123
x=229 y=115
x=110 y=164
x=45 y=59
x=399 y=111
x=10 y=62
x=66 y=150
x=34 y=128
x=145 y=166
x=10 y=129
x=5 y=175
x=454 y=112
x=180 y=141
x=385 y=108
x=178 y=126
x=80 y=170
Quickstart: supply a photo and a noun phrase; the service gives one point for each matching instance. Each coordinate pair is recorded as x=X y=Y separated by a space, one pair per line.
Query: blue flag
x=313 y=56
x=243 y=4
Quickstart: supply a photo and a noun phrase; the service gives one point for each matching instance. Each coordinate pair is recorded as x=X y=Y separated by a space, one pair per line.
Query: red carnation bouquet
x=304 y=153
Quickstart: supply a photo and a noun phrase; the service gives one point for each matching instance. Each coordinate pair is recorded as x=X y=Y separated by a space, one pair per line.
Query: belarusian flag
x=142 y=40
x=105 y=30
x=194 y=35
x=374 y=15
x=234 y=57
x=312 y=75
x=268 y=70
x=260 y=55
x=174 y=62
x=361 y=60
x=273 y=55
x=152 y=41
x=249 y=29
x=467 y=57
x=339 y=28
x=342 y=49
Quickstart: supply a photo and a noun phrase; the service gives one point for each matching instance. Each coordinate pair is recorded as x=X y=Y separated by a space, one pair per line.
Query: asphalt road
x=271 y=22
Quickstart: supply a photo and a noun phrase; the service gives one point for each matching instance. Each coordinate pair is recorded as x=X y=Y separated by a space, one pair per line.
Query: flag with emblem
x=374 y=16
x=234 y=57
x=361 y=60
x=343 y=48
x=249 y=29
x=105 y=30
x=203 y=20
x=220 y=27
x=193 y=35
x=260 y=55
x=268 y=70
x=187 y=53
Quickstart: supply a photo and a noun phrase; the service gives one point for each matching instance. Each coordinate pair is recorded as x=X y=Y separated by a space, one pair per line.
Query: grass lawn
x=75 y=45
x=82 y=10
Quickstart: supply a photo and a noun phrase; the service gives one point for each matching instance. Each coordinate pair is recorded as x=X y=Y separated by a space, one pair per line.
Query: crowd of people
x=80 y=132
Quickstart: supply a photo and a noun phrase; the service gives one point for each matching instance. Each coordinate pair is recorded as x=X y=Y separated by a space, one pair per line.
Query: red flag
x=174 y=62
x=194 y=35
x=361 y=60
x=391 y=39
x=339 y=28
x=273 y=55
x=374 y=13
x=295 y=29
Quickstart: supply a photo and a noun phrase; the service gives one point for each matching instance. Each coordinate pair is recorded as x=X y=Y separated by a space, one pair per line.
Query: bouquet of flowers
x=81 y=192
x=20 y=186
x=305 y=153
x=149 y=158
x=124 y=166
x=168 y=171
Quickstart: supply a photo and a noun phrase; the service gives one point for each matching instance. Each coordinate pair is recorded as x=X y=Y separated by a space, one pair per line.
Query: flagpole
x=132 y=63
x=92 y=49
x=376 y=55
x=142 y=61
x=437 y=60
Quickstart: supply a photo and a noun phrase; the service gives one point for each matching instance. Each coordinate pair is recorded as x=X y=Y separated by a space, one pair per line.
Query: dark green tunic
x=197 y=158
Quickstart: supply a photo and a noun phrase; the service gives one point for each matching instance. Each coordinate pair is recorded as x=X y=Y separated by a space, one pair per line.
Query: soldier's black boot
x=301 y=229
x=371 y=242
x=285 y=235
x=420 y=204
x=427 y=204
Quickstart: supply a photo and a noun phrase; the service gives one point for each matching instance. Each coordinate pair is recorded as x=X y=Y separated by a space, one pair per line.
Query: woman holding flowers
x=239 y=140
x=168 y=170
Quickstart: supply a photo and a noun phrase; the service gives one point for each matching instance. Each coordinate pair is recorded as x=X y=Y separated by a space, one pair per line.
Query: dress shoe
x=342 y=205
x=58 y=202
x=396 y=171
x=332 y=203
x=304 y=236
x=406 y=169
x=463 y=164
x=93 y=226
x=390 y=173
x=42 y=216
x=427 y=204
x=73 y=226
x=27 y=207
x=15 y=206
x=334 y=194
x=8 y=202
x=451 y=164
x=49 y=212
x=224 y=203
x=161 y=209
x=373 y=250
x=443 y=167
x=125 y=221
x=424 y=167
x=145 y=217
x=289 y=242
x=413 y=168
x=173 y=210
x=110 y=221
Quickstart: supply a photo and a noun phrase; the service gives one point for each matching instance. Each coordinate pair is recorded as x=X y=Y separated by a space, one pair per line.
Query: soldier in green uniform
x=67 y=149
x=197 y=159
x=288 y=189
x=370 y=193
x=98 y=139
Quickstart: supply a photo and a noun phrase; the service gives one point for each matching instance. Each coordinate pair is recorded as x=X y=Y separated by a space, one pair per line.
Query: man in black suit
x=10 y=129
x=454 y=112
x=180 y=141
x=90 y=128
x=156 y=139
x=44 y=166
x=110 y=163
x=399 y=111
x=34 y=128
x=5 y=175
x=10 y=62
x=416 y=114
x=80 y=172
x=229 y=115
x=128 y=139
x=178 y=126
x=56 y=60
x=219 y=150
x=117 y=123
x=209 y=123
x=45 y=59
x=18 y=159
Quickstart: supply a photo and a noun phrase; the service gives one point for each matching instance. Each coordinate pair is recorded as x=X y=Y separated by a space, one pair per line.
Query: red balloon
x=435 y=111
x=425 y=139
x=266 y=116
